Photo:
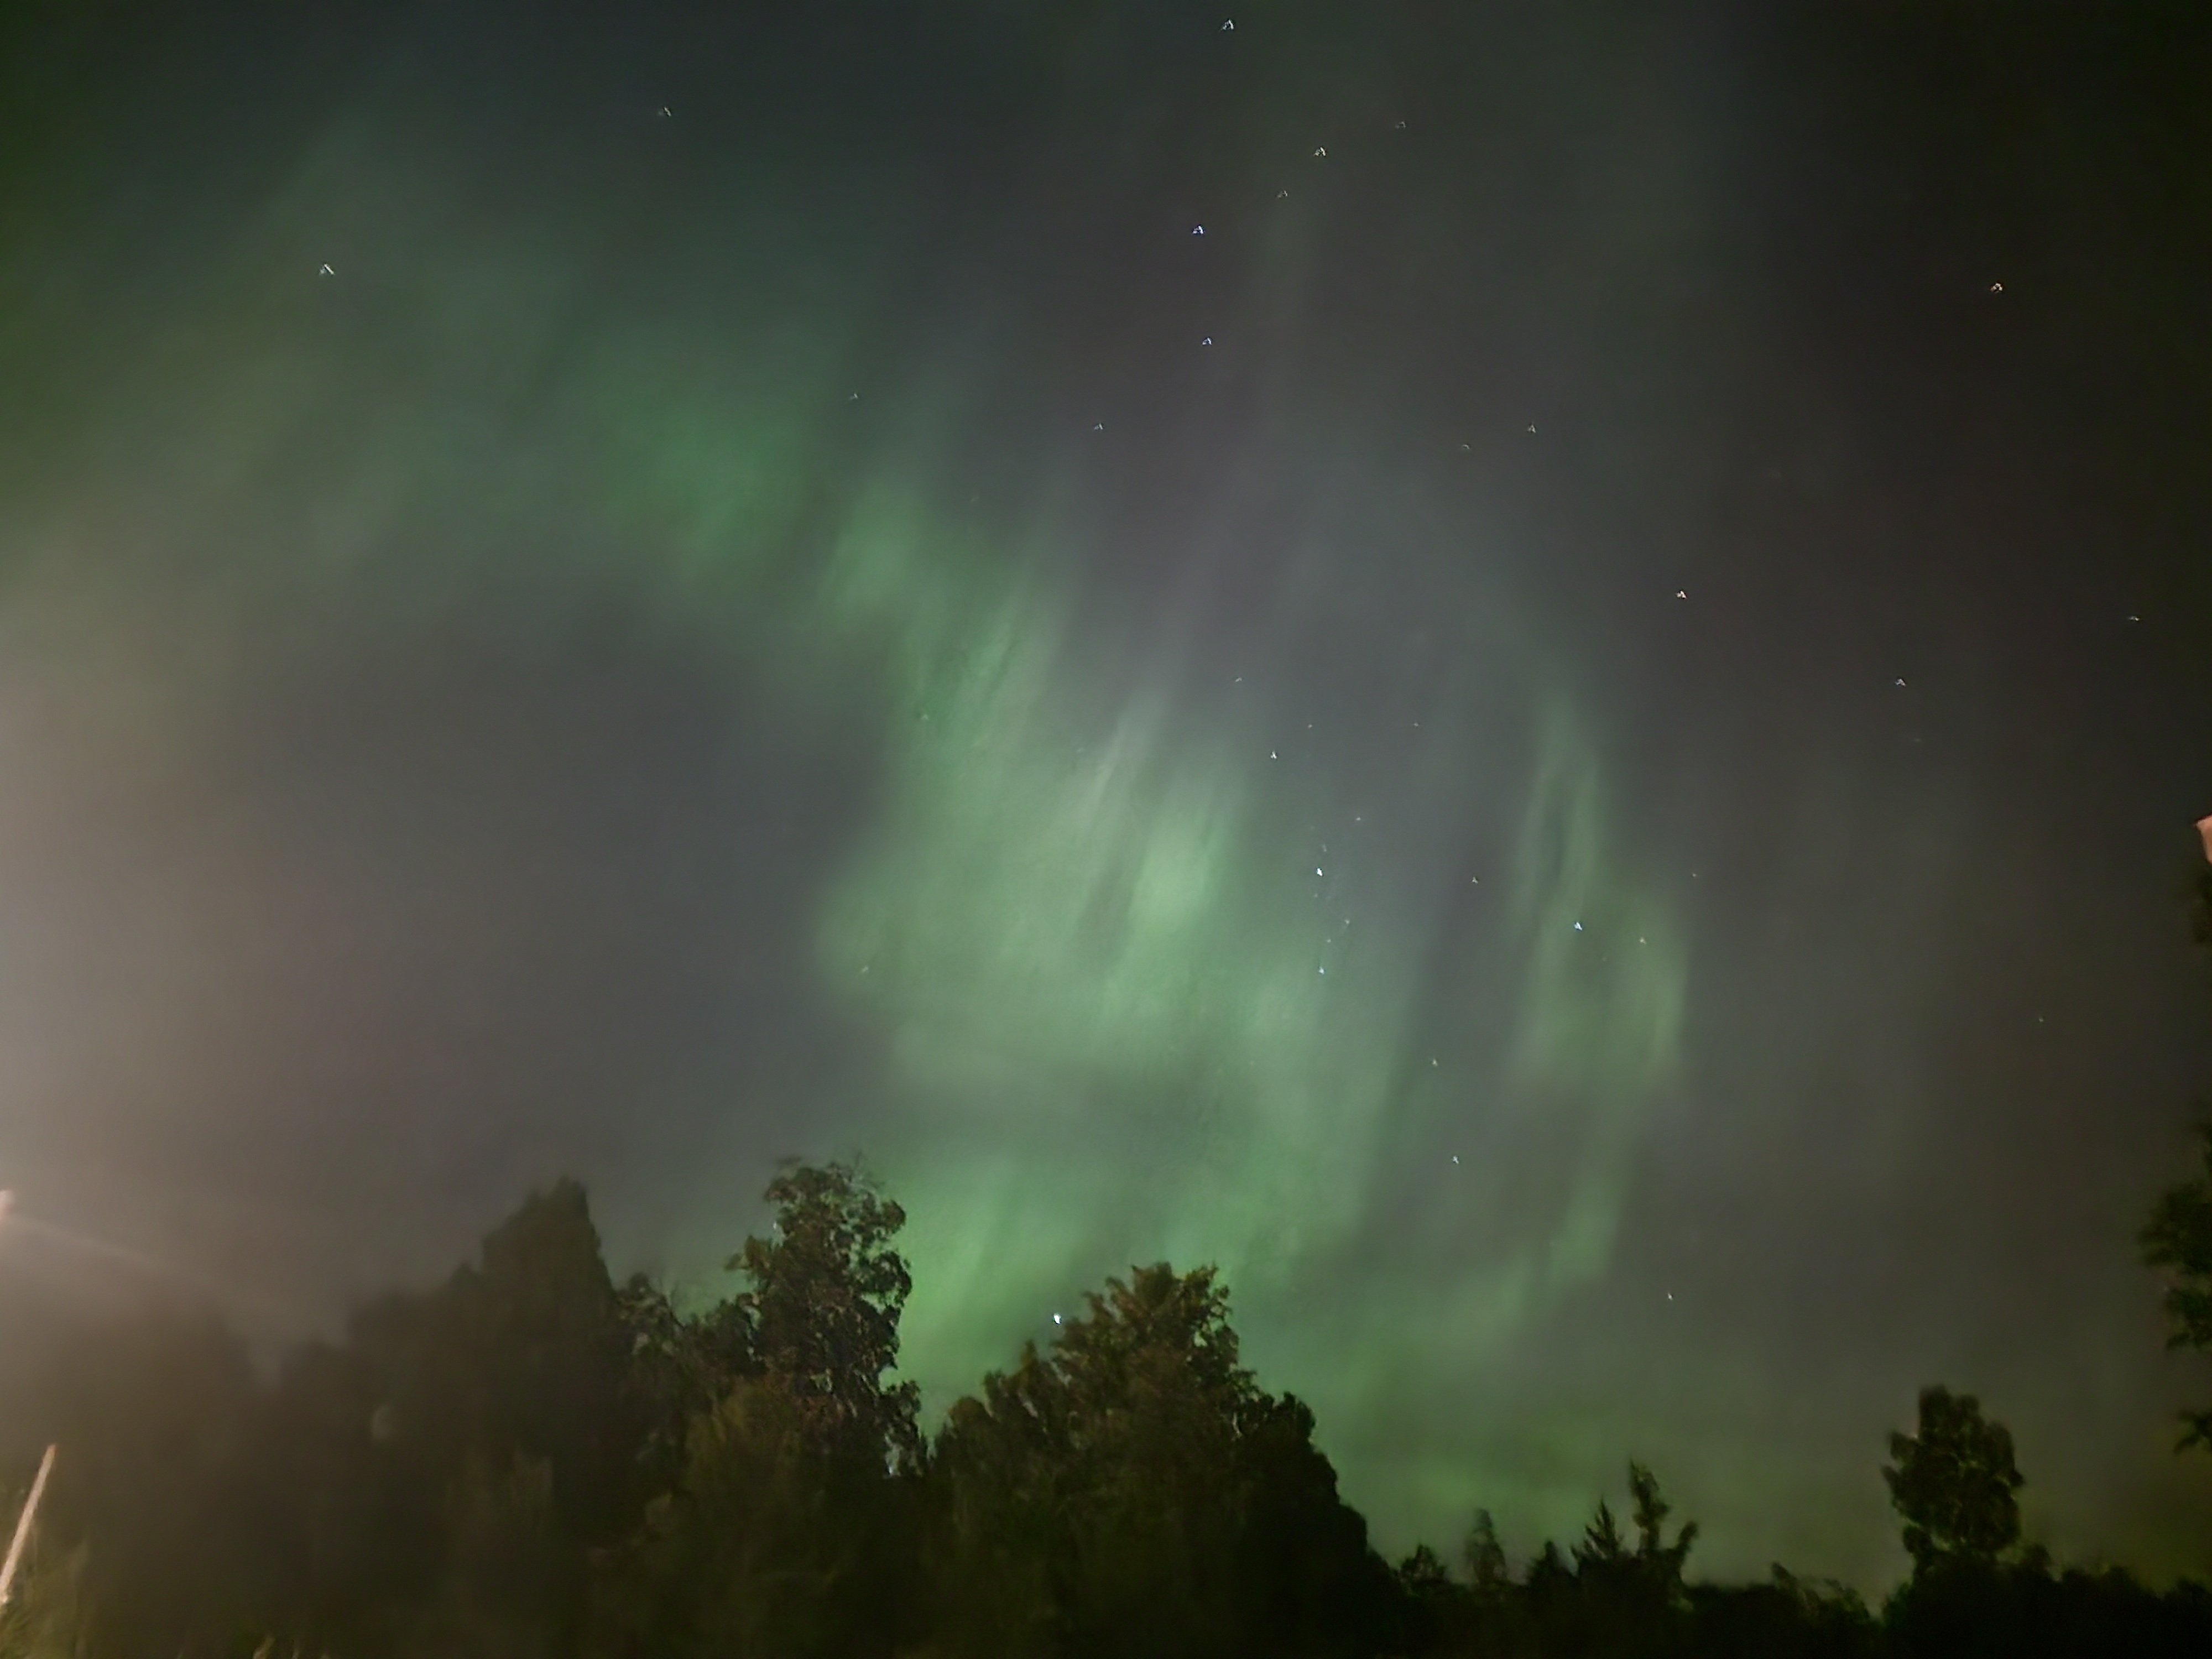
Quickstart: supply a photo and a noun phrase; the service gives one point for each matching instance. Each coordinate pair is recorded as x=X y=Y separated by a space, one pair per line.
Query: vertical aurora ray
x=643 y=595
x=1165 y=941
x=1154 y=970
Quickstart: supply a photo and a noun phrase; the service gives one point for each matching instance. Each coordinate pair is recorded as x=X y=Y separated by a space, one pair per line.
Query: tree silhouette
x=2178 y=1240
x=1489 y=1574
x=443 y=1476
x=1953 y=1485
x=527 y=1462
x=1135 y=1490
x=788 y=1530
x=1659 y=1562
x=1625 y=1598
x=823 y=1310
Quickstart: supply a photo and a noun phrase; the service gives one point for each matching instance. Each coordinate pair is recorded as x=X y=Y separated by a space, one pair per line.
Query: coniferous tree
x=1489 y=1574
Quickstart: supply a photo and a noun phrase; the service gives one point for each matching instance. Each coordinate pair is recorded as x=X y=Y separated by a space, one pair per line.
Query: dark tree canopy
x=1954 y=1484
x=823 y=1309
x=529 y=1462
x=2178 y=1240
x=1136 y=1491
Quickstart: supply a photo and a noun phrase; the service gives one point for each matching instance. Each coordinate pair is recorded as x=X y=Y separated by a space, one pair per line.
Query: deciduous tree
x=1954 y=1484
x=2178 y=1240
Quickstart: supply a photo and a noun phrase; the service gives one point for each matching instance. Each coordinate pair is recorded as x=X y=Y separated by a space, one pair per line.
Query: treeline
x=533 y=1461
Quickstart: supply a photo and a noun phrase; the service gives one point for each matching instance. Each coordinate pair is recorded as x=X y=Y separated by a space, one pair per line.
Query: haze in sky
x=1534 y=675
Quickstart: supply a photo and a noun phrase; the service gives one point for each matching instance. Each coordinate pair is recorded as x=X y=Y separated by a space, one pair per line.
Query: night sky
x=1536 y=674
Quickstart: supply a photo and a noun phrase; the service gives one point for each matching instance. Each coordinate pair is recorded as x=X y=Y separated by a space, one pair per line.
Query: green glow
x=1116 y=1021
x=1081 y=925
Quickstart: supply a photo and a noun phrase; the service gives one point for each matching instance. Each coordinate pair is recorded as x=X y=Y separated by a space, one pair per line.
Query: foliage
x=529 y=1461
x=782 y=1530
x=1954 y=1484
x=1136 y=1491
x=823 y=1311
x=2178 y=1239
x=744 y=1557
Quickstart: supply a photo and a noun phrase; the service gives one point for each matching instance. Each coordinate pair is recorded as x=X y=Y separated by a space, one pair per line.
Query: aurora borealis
x=1567 y=742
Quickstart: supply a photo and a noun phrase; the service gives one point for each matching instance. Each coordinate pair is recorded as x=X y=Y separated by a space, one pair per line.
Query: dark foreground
x=531 y=1460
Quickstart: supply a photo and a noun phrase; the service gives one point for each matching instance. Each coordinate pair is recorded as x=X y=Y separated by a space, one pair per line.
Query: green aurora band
x=1150 y=968
x=1121 y=1014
